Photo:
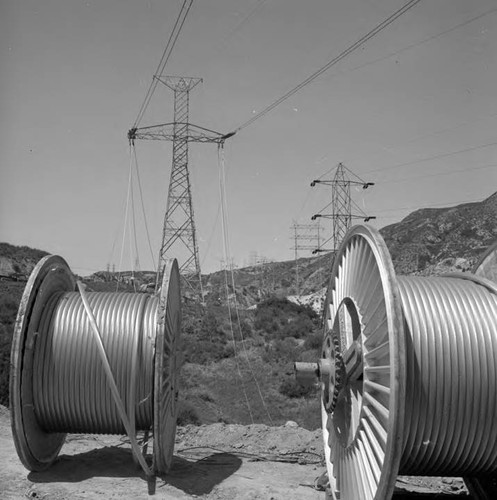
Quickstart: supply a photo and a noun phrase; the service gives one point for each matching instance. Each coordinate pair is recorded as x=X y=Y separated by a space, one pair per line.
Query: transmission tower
x=341 y=206
x=178 y=235
x=309 y=233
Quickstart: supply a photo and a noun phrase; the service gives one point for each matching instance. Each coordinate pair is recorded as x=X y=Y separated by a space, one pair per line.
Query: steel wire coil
x=451 y=362
x=410 y=386
x=70 y=390
x=94 y=362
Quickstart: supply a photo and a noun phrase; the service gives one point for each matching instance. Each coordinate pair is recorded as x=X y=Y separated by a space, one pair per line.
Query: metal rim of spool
x=166 y=369
x=36 y=448
x=364 y=464
x=485 y=487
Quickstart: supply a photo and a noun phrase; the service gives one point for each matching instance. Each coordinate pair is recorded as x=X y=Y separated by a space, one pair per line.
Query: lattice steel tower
x=341 y=206
x=311 y=235
x=179 y=236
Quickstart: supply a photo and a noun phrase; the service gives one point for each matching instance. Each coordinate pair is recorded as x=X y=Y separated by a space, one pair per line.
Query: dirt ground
x=214 y=462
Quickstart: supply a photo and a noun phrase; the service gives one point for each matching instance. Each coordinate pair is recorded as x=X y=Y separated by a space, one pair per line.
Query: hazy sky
x=414 y=110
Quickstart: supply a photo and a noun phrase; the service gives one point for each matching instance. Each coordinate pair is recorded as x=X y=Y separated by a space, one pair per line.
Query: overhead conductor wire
x=389 y=20
x=173 y=38
x=227 y=257
x=400 y=51
x=226 y=253
x=143 y=208
x=126 y=209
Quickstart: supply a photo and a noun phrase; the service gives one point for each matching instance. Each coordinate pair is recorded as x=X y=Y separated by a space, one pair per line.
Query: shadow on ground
x=195 y=477
x=201 y=476
x=109 y=461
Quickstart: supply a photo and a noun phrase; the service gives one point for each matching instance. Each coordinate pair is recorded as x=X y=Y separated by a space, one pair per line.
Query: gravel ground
x=214 y=462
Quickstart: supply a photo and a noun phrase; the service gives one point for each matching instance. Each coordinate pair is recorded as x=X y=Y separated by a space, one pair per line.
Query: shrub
x=187 y=414
x=292 y=389
x=5 y=342
x=313 y=341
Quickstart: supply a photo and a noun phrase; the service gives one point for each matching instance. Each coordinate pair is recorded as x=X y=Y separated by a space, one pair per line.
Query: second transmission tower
x=341 y=206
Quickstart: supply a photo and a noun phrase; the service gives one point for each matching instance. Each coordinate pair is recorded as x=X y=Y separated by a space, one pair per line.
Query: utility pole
x=179 y=236
x=341 y=207
x=310 y=233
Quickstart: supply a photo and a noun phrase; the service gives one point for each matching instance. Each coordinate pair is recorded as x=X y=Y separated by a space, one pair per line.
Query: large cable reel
x=407 y=370
x=94 y=362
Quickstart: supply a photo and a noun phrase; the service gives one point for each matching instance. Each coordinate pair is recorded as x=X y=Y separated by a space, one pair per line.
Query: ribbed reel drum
x=93 y=362
x=408 y=370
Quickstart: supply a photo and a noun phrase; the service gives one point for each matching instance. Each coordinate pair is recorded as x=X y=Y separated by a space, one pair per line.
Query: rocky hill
x=427 y=241
x=17 y=262
x=436 y=240
x=269 y=333
x=255 y=353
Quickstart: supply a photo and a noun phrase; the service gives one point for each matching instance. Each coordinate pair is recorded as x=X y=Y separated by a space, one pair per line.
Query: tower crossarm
x=364 y=185
x=178 y=130
x=365 y=218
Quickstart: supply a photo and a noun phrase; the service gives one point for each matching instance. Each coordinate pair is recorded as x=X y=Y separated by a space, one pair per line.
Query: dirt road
x=215 y=462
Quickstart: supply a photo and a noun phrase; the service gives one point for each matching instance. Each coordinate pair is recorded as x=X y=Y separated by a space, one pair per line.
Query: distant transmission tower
x=311 y=235
x=341 y=206
x=178 y=235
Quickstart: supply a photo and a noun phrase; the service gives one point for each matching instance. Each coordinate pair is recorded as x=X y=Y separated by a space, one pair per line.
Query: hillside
x=18 y=261
x=253 y=354
x=436 y=240
x=234 y=355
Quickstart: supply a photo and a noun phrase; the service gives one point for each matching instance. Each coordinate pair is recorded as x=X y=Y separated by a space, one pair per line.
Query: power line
x=244 y=20
x=173 y=38
x=417 y=44
x=438 y=174
x=229 y=262
x=445 y=204
x=409 y=5
x=143 y=208
x=434 y=157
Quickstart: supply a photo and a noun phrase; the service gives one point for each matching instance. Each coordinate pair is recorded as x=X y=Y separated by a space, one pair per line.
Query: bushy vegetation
x=292 y=389
x=21 y=252
x=187 y=414
x=207 y=334
x=238 y=363
x=10 y=295
x=280 y=318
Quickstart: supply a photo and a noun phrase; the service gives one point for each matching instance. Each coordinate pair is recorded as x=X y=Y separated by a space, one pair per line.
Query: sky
x=414 y=110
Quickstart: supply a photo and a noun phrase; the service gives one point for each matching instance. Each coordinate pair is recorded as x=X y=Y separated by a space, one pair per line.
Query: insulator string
x=451 y=355
x=70 y=390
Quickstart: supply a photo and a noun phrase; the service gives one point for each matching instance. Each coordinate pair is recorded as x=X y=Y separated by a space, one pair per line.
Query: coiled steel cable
x=94 y=362
x=451 y=365
x=418 y=394
x=70 y=390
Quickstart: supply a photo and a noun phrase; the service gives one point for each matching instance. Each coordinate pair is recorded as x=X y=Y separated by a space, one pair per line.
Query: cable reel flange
x=166 y=368
x=361 y=447
x=419 y=359
x=362 y=435
x=37 y=449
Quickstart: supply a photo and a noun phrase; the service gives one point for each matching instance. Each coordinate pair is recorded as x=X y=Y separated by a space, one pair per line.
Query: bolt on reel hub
x=409 y=383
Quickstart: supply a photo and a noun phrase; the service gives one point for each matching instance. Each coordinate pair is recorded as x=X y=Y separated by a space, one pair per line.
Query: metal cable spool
x=408 y=372
x=93 y=362
x=484 y=486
